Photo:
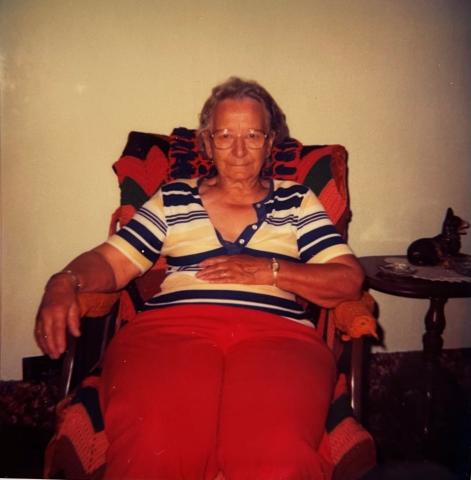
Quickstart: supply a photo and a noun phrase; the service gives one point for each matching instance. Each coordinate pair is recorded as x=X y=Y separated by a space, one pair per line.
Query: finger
x=46 y=340
x=57 y=313
x=56 y=338
x=48 y=330
x=44 y=336
x=39 y=337
x=214 y=261
x=73 y=320
x=213 y=272
x=229 y=276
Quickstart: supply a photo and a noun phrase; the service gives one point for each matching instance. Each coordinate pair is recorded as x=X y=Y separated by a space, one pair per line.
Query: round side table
x=407 y=286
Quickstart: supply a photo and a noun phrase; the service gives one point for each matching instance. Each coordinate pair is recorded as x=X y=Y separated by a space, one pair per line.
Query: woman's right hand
x=102 y=269
x=58 y=312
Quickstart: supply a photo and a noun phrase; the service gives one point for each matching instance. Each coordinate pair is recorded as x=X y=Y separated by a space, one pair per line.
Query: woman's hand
x=102 y=269
x=326 y=284
x=236 y=269
x=58 y=312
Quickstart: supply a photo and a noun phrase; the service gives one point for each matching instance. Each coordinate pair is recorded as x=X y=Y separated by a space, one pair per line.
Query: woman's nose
x=239 y=146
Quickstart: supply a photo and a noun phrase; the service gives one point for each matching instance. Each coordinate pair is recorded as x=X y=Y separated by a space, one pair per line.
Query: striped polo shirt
x=291 y=224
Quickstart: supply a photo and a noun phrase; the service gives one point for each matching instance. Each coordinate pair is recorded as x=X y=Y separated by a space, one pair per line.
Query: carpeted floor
x=396 y=412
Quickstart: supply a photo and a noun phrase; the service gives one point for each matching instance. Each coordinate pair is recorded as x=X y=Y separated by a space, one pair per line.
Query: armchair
x=78 y=448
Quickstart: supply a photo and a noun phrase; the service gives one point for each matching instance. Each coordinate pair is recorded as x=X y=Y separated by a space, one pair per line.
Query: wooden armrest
x=355 y=319
x=84 y=353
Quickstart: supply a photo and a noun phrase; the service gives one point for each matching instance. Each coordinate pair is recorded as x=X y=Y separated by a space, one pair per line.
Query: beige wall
x=388 y=79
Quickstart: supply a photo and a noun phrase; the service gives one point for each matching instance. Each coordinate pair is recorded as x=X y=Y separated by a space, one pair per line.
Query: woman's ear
x=270 y=140
x=207 y=144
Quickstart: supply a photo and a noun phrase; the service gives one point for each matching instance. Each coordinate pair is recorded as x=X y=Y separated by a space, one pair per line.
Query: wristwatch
x=275 y=268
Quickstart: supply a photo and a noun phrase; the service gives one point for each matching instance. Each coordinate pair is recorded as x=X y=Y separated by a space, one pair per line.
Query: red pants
x=190 y=392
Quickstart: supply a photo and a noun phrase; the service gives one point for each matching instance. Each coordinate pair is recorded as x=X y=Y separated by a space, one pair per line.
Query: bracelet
x=74 y=276
x=275 y=267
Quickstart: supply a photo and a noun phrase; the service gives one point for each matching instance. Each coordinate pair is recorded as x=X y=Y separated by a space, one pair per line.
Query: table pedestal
x=434 y=327
x=431 y=375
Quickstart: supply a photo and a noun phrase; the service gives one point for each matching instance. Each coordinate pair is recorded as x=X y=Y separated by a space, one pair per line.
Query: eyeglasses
x=225 y=138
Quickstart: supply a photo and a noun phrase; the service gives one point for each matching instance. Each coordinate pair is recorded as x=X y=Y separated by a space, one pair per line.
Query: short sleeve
x=318 y=239
x=141 y=239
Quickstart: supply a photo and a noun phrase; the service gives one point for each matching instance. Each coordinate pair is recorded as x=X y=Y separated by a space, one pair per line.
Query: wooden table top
x=405 y=285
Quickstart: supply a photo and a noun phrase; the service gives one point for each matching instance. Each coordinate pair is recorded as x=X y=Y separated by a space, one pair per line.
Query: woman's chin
x=239 y=173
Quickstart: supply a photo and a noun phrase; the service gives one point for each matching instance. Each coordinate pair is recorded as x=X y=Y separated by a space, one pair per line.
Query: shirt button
x=258 y=205
x=254 y=227
x=241 y=241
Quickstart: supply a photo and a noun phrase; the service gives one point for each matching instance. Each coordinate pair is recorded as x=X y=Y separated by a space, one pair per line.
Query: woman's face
x=239 y=118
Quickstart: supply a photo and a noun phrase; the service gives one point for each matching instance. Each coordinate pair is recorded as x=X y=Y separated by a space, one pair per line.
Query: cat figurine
x=437 y=250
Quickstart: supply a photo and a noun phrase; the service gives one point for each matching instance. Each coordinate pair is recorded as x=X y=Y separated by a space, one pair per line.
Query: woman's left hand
x=236 y=269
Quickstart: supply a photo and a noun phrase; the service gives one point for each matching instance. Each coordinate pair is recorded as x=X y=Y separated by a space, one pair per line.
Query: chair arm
x=97 y=311
x=355 y=319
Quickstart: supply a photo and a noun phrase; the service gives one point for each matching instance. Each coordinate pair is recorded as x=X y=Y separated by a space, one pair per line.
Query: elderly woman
x=223 y=374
